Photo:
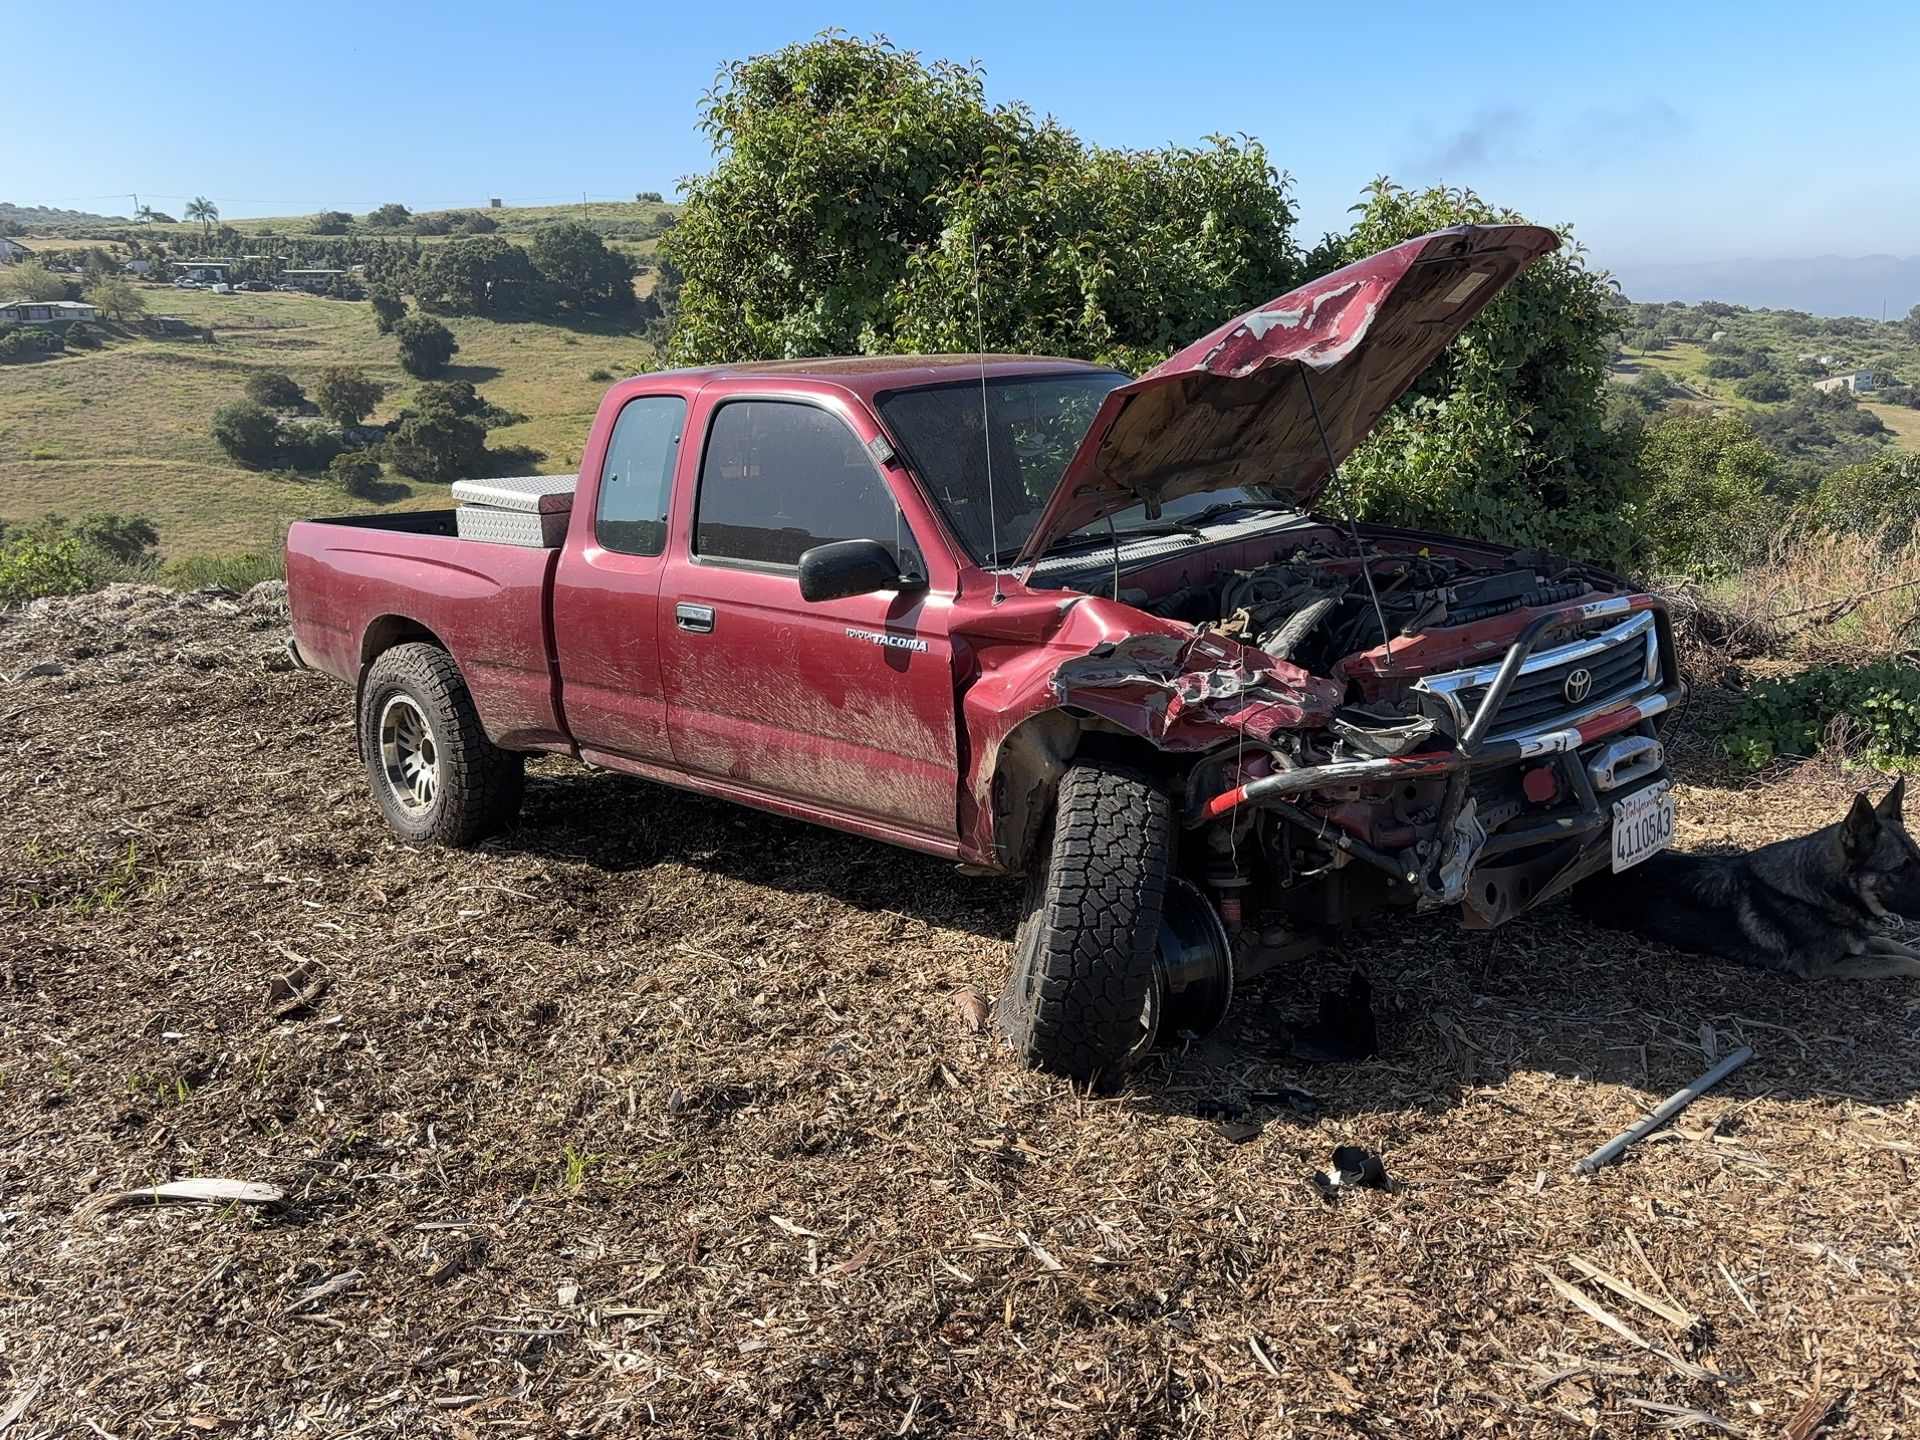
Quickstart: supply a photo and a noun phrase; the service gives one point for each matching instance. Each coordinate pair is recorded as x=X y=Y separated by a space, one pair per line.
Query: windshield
x=1034 y=425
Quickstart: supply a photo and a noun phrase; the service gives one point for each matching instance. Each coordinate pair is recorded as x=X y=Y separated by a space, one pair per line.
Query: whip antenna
x=986 y=437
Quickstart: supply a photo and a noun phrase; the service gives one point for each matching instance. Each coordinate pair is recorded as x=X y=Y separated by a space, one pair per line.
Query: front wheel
x=437 y=778
x=1084 y=998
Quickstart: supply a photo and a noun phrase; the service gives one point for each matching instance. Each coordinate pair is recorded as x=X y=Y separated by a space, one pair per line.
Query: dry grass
x=127 y=428
x=660 y=1115
x=1819 y=595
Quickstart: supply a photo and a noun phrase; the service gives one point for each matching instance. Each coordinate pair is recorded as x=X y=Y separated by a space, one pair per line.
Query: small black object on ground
x=1343 y=1033
x=1354 y=1168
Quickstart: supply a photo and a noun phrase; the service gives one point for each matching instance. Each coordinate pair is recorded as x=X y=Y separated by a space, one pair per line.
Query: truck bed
x=359 y=583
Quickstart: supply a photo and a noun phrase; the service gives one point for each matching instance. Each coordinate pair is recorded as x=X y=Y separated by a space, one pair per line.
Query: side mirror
x=847 y=567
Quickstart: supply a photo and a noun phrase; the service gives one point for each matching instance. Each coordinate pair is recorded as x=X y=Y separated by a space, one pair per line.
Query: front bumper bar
x=1474 y=751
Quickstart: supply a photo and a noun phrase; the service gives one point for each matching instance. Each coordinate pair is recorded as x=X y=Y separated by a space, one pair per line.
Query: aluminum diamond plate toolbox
x=510 y=527
x=530 y=494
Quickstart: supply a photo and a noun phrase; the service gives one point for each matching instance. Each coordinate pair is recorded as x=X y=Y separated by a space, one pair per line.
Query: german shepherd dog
x=1816 y=907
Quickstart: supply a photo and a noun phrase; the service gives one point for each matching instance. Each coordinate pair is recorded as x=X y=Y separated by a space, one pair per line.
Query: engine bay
x=1320 y=604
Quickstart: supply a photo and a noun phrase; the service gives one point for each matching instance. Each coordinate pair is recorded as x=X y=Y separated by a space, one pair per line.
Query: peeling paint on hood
x=1234 y=407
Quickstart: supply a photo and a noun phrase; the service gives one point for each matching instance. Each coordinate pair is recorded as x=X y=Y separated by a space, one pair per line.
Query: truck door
x=607 y=593
x=845 y=706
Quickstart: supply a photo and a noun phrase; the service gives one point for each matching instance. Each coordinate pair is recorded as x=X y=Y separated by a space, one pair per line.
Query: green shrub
x=276 y=391
x=355 y=474
x=1764 y=388
x=388 y=308
x=247 y=432
x=1878 y=704
x=425 y=345
x=34 y=565
x=345 y=395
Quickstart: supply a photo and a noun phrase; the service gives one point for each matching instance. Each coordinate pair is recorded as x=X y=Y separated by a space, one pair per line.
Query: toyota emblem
x=1579 y=682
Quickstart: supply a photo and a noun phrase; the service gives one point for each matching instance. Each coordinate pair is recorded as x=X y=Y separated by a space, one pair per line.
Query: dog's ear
x=1859 y=829
x=1890 y=805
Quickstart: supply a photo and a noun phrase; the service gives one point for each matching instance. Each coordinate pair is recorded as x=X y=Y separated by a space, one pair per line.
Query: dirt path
x=660 y=1114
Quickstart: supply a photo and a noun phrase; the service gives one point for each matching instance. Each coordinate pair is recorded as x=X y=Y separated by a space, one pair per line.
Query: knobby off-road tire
x=1084 y=995
x=437 y=778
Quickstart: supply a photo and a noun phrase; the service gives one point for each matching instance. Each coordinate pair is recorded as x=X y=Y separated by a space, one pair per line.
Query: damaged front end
x=1479 y=747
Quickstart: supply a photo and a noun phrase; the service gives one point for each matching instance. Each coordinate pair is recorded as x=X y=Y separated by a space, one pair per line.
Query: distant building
x=207 y=272
x=310 y=279
x=12 y=250
x=1718 y=336
x=1860 y=382
x=138 y=267
x=45 y=312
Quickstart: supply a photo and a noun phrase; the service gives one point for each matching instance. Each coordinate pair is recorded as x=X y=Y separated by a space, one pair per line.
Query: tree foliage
x=203 y=210
x=474 y=275
x=248 y=432
x=31 y=280
x=1504 y=437
x=390 y=216
x=1880 y=497
x=114 y=296
x=1708 y=505
x=856 y=184
x=578 y=271
x=388 y=307
x=275 y=390
x=435 y=442
x=346 y=395
x=426 y=346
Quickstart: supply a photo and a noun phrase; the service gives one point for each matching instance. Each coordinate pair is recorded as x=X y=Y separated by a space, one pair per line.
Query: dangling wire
x=1359 y=549
x=986 y=435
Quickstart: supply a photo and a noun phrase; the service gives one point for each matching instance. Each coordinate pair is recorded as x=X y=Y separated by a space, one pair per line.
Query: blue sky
x=1663 y=133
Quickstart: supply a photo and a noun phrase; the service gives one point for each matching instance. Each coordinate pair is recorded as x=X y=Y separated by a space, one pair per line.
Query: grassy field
x=126 y=428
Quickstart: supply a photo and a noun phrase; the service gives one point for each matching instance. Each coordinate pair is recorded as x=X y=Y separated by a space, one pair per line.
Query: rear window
x=636 y=482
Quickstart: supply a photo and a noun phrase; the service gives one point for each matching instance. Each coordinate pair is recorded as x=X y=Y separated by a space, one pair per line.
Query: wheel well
x=1031 y=761
x=381 y=636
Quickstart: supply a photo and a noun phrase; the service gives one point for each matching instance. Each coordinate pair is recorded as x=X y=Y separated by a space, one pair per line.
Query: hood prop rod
x=1353 y=525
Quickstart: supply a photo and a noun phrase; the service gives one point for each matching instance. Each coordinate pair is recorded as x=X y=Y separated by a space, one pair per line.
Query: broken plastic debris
x=1354 y=1168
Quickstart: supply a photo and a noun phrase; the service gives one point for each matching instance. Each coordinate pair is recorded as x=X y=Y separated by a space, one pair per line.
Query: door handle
x=697 y=618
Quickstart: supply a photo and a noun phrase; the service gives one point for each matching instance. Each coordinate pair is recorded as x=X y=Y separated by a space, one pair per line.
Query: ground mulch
x=657 y=1115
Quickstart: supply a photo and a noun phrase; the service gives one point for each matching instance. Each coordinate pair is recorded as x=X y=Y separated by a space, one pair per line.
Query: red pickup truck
x=1038 y=617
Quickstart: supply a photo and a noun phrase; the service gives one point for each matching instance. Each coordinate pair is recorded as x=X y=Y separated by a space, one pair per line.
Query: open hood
x=1237 y=407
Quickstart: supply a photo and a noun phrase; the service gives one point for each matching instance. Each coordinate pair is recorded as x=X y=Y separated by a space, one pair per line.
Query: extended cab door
x=606 y=595
x=845 y=707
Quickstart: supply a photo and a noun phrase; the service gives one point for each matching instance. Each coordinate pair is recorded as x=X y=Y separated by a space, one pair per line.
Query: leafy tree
x=858 y=189
x=32 y=566
x=330 y=222
x=433 y=441
x=1504 y=437
x=1881 y=495
x=425 y=345
x=579 y=271
x=474 y=275
x=275 y=391
x=345 y=395
x=123 y=540
x=205 y=211
x=1708 y=506
x=1764 y=387
x=388 y=307
x=114 y=295
x=248 y=432
x=356 y=474
x=307 y=445
x=31 y=280
x=648 y=195
x=144 y=215
x=1912 y=324
x=391 y=216
x=478 y=222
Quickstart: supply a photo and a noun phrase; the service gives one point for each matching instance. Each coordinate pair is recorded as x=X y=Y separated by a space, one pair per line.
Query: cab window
x=636 y=482
x=780 y=477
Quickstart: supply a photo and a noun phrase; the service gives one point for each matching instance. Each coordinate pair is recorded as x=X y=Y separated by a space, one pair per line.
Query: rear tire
x=436 y=777
x=1084 y=998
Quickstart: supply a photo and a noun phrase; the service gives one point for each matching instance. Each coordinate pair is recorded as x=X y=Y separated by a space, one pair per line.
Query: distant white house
x=1860 y=382
x=45 y=312
x=207 y=272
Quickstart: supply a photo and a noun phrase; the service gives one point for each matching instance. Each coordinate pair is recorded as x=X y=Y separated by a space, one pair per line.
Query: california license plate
x=1642 y=825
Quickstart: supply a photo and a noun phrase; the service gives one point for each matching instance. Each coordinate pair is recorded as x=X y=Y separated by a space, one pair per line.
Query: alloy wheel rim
x=408 y=755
